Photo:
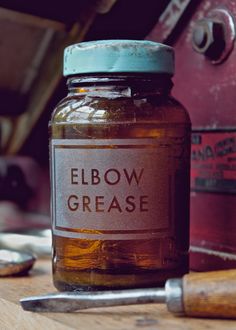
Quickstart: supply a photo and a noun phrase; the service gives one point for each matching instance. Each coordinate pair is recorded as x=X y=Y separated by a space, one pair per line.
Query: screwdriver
x=210 y=294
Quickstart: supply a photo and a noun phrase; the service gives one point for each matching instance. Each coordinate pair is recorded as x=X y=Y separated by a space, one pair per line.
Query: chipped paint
x=169 y=19
x=216 y=253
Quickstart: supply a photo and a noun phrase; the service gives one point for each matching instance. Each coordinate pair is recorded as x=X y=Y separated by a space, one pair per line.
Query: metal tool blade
x=73 y=301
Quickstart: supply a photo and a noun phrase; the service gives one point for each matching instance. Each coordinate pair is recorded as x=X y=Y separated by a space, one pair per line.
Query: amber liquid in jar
x=124 y=107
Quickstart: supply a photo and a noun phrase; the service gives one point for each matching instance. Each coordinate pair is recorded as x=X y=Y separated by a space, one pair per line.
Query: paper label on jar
x=111 y=188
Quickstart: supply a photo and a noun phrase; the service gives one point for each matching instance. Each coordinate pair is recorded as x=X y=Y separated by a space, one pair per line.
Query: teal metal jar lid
x=108 y=56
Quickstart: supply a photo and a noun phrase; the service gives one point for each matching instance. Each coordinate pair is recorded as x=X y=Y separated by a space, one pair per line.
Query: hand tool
x=15 y=263
x=211 y=294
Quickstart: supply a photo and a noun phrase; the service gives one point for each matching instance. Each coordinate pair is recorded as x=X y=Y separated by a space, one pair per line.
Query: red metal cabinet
x=206 y=86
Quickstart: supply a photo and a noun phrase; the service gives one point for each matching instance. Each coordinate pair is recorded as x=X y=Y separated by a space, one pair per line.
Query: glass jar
x=120 y=155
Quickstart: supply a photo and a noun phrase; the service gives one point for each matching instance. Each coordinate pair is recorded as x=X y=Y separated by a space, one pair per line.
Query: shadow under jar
x=119 y=154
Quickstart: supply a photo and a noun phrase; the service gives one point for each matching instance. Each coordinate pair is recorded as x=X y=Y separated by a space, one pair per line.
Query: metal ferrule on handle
x=174 y=296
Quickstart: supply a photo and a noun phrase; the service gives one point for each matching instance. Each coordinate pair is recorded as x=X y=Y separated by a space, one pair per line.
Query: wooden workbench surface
x=150 y=317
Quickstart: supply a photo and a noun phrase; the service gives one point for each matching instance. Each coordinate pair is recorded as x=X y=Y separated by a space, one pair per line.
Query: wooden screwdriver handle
x=210 y=294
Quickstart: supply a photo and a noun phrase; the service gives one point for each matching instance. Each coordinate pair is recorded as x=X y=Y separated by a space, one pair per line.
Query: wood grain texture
x=148 y=317
x=211 y=294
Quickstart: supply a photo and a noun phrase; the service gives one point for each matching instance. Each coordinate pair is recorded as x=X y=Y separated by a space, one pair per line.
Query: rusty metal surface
x=206 y=87
x=211 y=88
x=168 y=20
